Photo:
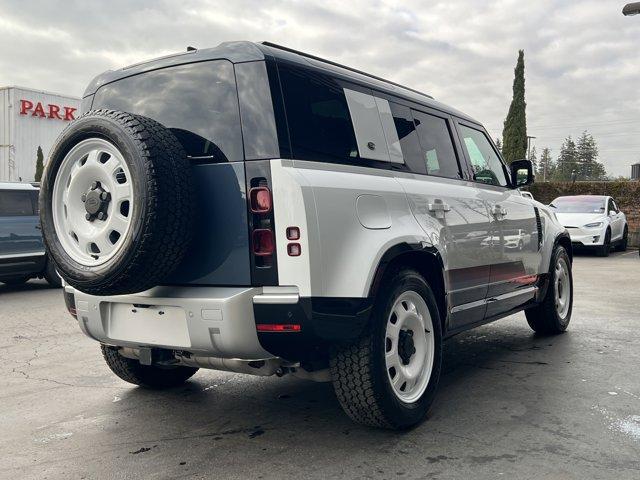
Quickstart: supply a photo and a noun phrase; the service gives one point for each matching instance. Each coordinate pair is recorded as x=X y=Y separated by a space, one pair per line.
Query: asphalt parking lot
x=511 y=404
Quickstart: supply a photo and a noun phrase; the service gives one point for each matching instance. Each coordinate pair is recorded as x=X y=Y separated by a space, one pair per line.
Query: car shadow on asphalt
x=214 y=408
x=31 y=285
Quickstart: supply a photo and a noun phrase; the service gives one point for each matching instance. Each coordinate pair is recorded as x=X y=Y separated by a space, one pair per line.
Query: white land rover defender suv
x=255 y=209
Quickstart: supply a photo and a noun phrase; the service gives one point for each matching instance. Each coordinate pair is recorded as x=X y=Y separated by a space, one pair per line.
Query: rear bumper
x=221 y=322
x=205 y=321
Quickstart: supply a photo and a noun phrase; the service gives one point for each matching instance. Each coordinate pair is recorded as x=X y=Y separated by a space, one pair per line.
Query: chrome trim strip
x=286 y=298
x=22 y=255
x=504 y=296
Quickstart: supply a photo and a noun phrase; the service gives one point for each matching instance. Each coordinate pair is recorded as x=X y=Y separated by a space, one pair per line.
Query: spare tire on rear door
x=116 y=203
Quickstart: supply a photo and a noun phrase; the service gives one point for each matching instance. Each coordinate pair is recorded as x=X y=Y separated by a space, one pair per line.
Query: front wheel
x=622 y=246
x=605 y=249
x=389 y=377
x=149 y=376
x=553 y=314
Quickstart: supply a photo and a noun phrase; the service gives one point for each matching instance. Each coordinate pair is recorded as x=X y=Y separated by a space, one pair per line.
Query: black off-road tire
x=51 y=276
x=162 y=211
x=358 y=369
x=605 y=249
x=624 y=243
x=148 y=376
x=544 y=318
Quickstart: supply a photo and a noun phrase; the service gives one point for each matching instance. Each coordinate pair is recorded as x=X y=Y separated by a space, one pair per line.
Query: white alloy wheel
x=92 y=202
x=562 y=287
x=409 y=347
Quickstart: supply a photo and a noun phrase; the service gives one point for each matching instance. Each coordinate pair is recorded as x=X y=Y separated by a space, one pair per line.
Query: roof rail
x=335 y=64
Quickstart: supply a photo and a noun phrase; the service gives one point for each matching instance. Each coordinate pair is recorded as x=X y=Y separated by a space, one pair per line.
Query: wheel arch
x=564 y=240
x=425 y=259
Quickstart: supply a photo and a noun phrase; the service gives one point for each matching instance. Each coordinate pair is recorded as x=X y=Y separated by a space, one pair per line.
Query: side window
x=34 y=201
x=259 y=133
x=487 y=167
x=438 y=152
x=367 y=125
x=408 y=137
x=612 y=206
x=14 y=203
x=318 y=116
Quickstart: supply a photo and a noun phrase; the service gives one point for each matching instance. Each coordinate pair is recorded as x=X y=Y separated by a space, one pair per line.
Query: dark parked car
x=22 y=254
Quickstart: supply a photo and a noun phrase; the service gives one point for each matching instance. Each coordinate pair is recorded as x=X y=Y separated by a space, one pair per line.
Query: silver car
x=256 y=209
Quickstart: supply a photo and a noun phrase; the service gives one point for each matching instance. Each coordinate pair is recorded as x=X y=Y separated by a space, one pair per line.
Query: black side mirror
x=521 y=173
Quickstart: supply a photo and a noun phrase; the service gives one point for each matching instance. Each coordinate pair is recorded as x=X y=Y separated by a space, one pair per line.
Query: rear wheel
x=149 y=376
x=389 y=377
x=553 y=314
x=605 y=249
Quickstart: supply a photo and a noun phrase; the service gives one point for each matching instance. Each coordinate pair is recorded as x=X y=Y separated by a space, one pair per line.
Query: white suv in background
x=593 y=221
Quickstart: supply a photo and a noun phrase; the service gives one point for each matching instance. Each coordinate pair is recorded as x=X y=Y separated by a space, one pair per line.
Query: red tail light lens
x=263 y=243
x=294 y=249
x=293 y=233
x=278 y=327
x=260 y=200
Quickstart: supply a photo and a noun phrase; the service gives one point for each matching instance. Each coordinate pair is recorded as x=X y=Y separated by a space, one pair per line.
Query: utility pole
x=529 y=138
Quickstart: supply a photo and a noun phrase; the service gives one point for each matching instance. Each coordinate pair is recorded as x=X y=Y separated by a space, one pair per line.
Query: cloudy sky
x=582 y=57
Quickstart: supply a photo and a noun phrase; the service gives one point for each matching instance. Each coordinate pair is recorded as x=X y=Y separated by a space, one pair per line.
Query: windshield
x=578 y=205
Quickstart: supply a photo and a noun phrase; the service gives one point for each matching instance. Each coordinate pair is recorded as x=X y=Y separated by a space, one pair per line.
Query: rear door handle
x=439 y=208
x=498 y=212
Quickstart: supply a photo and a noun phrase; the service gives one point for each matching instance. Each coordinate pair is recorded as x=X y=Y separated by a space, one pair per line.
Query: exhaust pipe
x=262 y=368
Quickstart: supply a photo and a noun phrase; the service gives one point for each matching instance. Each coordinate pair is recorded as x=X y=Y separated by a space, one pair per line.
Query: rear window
x=198 y=102
x=318 y=116
x=15 y=203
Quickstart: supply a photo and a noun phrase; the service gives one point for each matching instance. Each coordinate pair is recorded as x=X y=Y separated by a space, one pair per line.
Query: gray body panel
x=219 y=254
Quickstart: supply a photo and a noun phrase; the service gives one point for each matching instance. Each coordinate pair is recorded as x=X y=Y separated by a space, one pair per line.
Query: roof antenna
x=191 y=49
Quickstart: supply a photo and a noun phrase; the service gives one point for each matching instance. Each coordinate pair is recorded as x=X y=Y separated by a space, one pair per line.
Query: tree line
x=577 y=160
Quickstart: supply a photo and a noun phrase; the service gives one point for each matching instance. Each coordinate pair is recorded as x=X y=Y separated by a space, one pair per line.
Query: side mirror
x=521 y=173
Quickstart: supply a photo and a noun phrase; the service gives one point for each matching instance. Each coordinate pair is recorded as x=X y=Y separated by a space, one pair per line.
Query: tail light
x=260 y=200
x=261 y=223
x=278 y=327
x=263 y=242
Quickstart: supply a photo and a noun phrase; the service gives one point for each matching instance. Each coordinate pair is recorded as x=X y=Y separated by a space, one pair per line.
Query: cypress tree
x=39 y=164
x=514 y=134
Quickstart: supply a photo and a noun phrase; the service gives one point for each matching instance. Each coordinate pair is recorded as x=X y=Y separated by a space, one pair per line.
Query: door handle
x=438 y=208
x=498 y=212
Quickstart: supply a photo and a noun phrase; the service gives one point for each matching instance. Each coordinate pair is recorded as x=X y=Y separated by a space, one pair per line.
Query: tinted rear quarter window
x=198 y=102
x=439 y=155
x=256 y=109
x=318 y=116
x=15 y=203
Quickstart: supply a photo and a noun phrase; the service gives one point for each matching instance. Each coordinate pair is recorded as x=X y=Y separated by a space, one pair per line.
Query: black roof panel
x=244 y=51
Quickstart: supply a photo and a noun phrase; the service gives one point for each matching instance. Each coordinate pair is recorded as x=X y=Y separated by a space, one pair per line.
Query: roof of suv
x=244 y=51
